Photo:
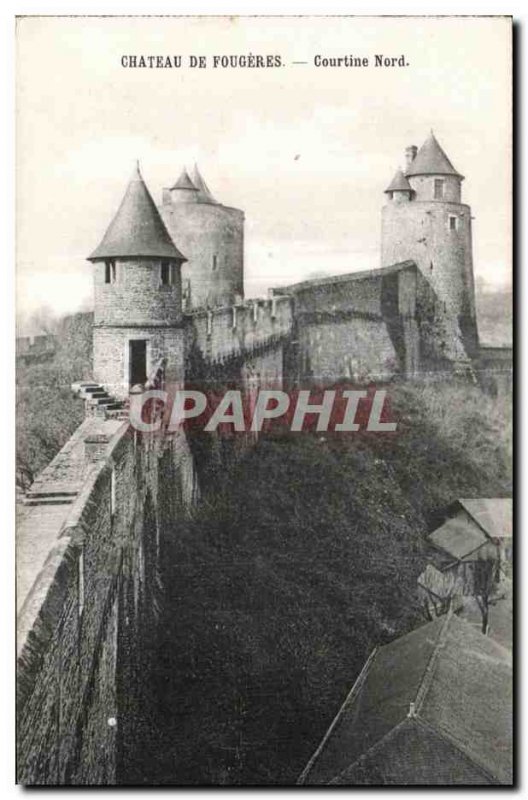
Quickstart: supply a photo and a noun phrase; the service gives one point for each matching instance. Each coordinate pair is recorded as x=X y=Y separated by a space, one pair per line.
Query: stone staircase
x=99 y=401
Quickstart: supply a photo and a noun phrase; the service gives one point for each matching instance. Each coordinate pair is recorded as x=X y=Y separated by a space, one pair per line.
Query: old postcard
x=264 y=388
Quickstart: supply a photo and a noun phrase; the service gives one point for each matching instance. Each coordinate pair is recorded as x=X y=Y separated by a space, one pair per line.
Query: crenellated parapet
x=240 y=331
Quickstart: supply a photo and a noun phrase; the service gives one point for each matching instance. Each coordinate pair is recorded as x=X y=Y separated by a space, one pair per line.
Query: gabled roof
x=432 y=707
x=137 y=229
x=184 y=182
x=204 y=195
x=431 y=160
x=458 y=537
x=493 y=514
x=399 y=183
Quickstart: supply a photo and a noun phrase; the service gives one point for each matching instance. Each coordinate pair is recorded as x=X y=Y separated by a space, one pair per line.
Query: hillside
x=46 y=412
x=303 y=557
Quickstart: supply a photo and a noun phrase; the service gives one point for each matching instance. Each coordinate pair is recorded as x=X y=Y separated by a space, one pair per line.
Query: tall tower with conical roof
x=137 y=295
x=424 y=220
x=212 y=237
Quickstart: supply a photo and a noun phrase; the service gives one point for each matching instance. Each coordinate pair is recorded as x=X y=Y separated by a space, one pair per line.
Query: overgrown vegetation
x=46 y=412
x=302 y=557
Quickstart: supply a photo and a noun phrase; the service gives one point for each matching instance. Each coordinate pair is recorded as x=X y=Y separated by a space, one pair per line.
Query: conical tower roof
x=184 y=182
x=399 y=183
x=137 y=229
x=205 y=195
x=431 y=160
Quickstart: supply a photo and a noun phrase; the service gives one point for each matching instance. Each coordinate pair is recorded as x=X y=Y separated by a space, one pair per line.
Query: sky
x=305 y=151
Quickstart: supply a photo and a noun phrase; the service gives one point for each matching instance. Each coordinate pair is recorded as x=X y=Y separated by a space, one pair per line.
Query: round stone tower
x=138 y=296
x=425 y=221
x=212 y=238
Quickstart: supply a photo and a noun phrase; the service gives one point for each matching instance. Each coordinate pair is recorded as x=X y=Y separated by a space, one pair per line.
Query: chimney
x=410 y=155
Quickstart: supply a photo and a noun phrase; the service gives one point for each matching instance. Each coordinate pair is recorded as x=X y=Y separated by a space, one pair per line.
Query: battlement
x=241 y=329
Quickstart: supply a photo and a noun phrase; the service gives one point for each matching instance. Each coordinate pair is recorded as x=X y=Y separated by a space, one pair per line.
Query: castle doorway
x=137 y=361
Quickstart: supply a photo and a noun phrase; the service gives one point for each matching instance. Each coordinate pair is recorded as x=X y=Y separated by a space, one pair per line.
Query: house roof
x=432 y=707
x=431 y=160
x=137 y=229
x=458 y=537
x=493 y=514
x=399 y=183
x=184 y=182
x=204 y=195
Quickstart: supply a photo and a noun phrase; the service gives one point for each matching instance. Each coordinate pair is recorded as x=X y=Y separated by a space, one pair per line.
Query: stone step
x=98 y=399
x=48 y=501
x=82 y=386
x=36 y=492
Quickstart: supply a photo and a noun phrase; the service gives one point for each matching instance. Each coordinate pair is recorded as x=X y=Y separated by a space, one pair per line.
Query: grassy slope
x=304 y=559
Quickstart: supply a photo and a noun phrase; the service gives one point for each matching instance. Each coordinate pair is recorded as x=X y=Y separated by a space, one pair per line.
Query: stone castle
x=170 y=307
x=169 y=281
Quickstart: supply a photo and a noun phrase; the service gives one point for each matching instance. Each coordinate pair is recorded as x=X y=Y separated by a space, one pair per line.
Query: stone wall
x=358 y=349
x=111 y=354
x=84 y=623
x=232 y=331
x=421 y=231
x=138 y=296
x=371 y=325
x=359 y=326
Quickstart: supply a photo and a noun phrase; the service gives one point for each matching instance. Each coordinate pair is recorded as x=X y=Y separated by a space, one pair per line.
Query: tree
x=485 y=572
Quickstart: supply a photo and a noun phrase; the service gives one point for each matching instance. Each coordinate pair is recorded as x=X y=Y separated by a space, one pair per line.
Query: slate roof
x=184 y=182
x=433 y=707
x=399 y=183
x=493 y=514
x=458 y=537
x=431 y=160
x=137 y=229
x=204 y=195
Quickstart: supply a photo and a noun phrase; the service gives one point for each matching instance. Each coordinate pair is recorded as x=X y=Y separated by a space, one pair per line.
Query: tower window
x=438 y=189
x=166 y=273
x=453 y=223
x=215 y=262
x=110 y=271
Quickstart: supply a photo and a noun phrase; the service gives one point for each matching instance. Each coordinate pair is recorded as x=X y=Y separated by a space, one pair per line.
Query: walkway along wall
x=87 y=610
